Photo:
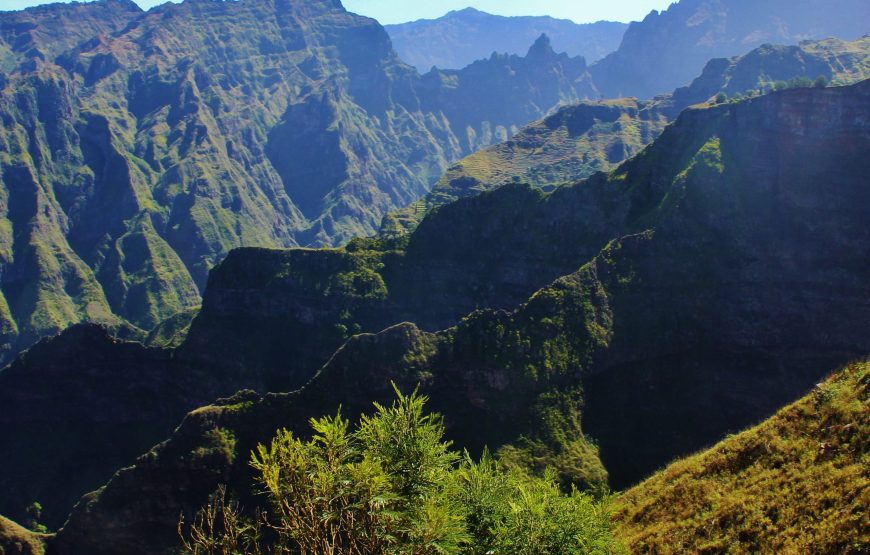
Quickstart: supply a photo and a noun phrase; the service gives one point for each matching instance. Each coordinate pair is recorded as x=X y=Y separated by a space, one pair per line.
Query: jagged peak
x=543 y=48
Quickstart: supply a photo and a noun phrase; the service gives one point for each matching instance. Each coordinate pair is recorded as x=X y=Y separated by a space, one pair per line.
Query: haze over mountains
x=669 y=48
x=234 y=216
x=581 y=139
x=464 y=36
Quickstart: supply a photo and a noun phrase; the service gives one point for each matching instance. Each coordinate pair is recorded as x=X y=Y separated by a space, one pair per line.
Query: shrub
x=394 y=485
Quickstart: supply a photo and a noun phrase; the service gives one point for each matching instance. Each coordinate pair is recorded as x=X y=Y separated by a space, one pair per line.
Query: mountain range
x=462 y=37
x=581 y=139
x=139 y=148
x=671 y=325
x=142 y=147
x=669 y=48
x=190 y=200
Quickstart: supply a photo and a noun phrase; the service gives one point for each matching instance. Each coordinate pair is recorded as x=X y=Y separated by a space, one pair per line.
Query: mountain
x=667 y=49
x=578 y=140
x=705 y=283
x=139 y=148
x=796 y=483
x=461 y=37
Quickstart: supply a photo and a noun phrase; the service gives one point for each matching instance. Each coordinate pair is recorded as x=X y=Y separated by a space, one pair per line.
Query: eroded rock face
x=739 y=281
x=140 y=148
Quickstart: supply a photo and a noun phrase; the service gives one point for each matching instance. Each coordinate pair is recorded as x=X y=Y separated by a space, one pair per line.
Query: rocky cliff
x=139 y=148
x=579 y=140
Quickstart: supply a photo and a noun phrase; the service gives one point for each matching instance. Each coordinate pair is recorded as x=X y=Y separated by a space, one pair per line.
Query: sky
x=398 y=11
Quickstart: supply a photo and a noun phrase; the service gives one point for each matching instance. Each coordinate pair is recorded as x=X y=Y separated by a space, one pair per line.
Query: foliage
x=797 y=483
x=394 y=485
x=34 y=512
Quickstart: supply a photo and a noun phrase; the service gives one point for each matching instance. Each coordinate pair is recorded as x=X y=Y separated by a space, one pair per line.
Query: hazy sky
x=396 y=11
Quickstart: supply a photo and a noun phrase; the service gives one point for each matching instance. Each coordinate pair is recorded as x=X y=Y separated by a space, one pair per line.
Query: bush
x=394 y=485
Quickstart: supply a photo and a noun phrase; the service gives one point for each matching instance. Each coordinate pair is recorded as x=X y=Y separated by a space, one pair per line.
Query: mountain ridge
x=642 y=308
x=669 y=48
x=461 y=37
x=148 y=145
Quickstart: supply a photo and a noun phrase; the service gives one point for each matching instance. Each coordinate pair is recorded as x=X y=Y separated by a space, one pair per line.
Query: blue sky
x=396 y=11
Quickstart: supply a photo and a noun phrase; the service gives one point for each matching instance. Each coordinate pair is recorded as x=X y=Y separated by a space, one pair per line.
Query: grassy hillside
x=17 y=540
x=797 y=483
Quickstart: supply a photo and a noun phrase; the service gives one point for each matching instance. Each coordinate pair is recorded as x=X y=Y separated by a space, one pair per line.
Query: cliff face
x=139 y=148
x=667 y=49
x=735 y=281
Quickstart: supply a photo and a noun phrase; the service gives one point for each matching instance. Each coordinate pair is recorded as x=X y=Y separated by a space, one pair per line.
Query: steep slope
x=135 y=159
x=667 y=49
x=797 y=483
x=738 y=281
x=579 y=140
x=116 y=396
x=44 y=32
x=463 y=36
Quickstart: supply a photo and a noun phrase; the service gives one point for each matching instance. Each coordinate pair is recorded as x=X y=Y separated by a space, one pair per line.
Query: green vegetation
x=16 y=540
x=580 y=140
x=137 y=153
x=797 y=483
x=658 y=343
x=394 y=485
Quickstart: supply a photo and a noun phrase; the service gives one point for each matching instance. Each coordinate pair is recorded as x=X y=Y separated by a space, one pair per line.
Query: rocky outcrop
x=17 y=540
